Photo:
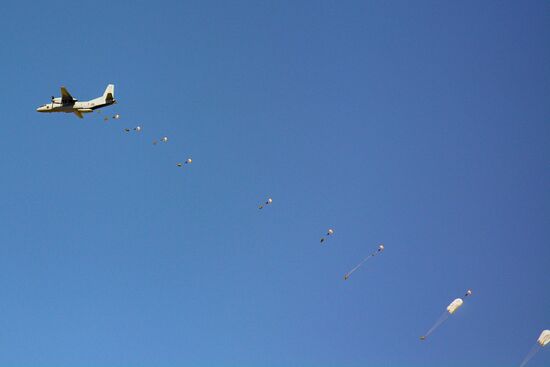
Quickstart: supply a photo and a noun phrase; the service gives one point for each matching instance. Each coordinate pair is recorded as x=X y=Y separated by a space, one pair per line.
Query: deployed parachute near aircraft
x=330 y=232
x=187 y=161
x=542 y=341
x=451 y=309
x=136 y=129
x=378 y=251
x=116 y=116
x=269 y=201
x=163 y=139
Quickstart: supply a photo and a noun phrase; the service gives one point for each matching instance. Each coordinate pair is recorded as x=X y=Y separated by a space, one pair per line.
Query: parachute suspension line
x=348 y=274
x=438 y=323
x=530 y=355
x=358 y=266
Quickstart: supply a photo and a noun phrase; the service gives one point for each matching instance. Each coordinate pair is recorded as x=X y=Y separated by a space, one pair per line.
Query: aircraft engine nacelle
x=56 y=100
x=85 y=110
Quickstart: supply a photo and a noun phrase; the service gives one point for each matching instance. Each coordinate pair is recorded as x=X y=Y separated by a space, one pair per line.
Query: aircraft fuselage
x=66 y=103
x=84 y=107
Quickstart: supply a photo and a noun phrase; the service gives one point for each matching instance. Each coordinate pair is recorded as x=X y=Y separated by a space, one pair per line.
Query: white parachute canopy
x=542 y=341
x=544 y=338
x=451 y=309
x=455 y=305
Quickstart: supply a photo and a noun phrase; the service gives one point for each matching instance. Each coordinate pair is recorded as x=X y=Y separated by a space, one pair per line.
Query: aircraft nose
x=41 y=109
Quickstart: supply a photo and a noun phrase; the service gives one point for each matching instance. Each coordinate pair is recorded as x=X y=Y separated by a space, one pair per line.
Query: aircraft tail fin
x=109 y=94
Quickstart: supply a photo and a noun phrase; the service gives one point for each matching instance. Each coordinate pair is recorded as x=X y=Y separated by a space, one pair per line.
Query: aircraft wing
x=78 y=113
x=66 y=96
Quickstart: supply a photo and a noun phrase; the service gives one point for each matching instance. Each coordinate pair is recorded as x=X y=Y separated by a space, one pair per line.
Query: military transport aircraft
x=66 y=103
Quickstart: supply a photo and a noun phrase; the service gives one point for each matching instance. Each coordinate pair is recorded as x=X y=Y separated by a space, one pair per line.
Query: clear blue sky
x=424 y=126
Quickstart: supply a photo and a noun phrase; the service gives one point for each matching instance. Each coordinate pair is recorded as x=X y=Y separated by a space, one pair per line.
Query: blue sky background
x=423 y=126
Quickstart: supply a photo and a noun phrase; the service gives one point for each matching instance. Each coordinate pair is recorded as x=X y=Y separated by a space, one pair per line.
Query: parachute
x=269 y=201
x=544 y=338
x=187 y=161
x=378 y=251
x=163 y=139
x=137 y=129
x=116 y=116
x=542 y=341
x=451 y=309
x=455 y=305
x=330 y=232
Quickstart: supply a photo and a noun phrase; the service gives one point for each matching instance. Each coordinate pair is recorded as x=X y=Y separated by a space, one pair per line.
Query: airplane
x=66 y=103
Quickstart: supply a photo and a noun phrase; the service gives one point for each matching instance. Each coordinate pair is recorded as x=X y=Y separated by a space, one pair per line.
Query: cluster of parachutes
x=542 y=341
x=330 y=232
x=138 y=129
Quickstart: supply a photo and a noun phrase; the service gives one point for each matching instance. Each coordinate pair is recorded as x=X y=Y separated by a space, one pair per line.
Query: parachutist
x=127 y=130
x=269 y=201
x=329 y=233
x=187 y=161
x=137 y=128
x=451 y=309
